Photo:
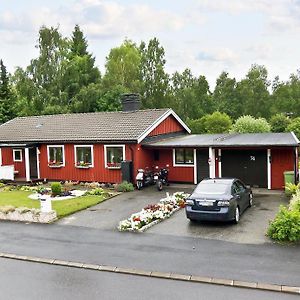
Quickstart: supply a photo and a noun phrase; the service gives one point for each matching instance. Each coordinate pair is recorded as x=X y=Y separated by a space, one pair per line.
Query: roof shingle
x=98 y=126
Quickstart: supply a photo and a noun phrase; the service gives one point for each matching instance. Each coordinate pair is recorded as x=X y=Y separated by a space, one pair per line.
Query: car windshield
x=211 y=188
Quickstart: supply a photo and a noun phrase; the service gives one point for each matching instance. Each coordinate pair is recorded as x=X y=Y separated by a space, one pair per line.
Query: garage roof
x=287 y=139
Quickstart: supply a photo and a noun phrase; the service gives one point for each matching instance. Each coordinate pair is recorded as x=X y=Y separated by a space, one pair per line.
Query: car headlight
x=189 y=202
x=223 y=203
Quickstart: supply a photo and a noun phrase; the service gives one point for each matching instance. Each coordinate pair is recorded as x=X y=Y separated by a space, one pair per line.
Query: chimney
x=130 y=102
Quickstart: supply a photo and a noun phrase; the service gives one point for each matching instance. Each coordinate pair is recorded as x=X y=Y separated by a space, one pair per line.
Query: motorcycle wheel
x=159 y=185
x=139 y=185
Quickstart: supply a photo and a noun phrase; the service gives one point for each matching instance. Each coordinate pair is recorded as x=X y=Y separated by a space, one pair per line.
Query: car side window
x=235 y=189
x=240 y=186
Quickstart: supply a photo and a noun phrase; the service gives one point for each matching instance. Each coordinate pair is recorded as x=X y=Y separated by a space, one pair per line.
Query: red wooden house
x=91 y=147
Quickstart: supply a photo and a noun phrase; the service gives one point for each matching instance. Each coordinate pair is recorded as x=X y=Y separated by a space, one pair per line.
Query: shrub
x=295 y=201
x=56 y=188
x=291 y=188
x=295 y=127
x=248 y=124
x=285 y=226
x=125 y=187
x=96 y=192
x=279 y=123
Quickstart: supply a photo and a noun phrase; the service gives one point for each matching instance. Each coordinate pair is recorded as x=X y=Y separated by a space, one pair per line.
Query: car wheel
x=250 y=200
x=237 y=215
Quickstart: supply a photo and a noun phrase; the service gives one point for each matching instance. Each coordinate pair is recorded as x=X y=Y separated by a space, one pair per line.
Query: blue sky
x=207 y=36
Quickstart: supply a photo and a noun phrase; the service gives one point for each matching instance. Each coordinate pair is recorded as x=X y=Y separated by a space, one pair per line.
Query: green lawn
x=63 y=207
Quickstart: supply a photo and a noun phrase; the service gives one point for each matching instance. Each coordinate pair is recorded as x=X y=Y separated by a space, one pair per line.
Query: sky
x=206 y=36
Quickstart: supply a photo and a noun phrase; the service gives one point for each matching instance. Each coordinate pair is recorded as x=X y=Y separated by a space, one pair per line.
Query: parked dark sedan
x=219 y=199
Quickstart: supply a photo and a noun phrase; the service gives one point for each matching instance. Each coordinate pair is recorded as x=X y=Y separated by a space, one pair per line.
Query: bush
x=295 y=127
x=125 y=187
x=285 y=226
x=279 y=123
x=96 y=192
x=56 y=188
x=248 y=124
x=295 y=201
x=291 y=188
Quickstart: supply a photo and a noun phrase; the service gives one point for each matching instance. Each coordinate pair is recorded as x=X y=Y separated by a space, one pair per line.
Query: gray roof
x=99 y=126
x=228 y=140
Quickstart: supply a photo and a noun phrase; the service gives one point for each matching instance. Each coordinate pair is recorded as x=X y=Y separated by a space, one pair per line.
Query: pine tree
x=79 y=43
x=6 y=99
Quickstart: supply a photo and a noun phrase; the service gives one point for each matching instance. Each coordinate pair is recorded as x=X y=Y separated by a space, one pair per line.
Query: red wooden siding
x=70 y=172
x=180 y=174
x=282 y=160
x=170 y=124
x=7 y=159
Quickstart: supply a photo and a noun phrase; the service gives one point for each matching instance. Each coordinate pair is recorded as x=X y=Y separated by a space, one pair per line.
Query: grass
x=62 y=207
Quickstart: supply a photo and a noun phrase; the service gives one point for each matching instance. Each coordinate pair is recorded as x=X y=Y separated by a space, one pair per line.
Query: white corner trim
x=27 y=164
x=159 y=121
x=0 y=156
x=220 y=162
x=269 y=164
x=56 y=146
x=295 y=137
x=212 y=162
x=113 y=146
x=84 y=146
x=38 y=162
x=21 y=155
x=195 y=166
x=181 y=165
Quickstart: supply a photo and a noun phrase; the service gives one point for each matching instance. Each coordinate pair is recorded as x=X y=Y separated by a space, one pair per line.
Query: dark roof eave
x=132 y=141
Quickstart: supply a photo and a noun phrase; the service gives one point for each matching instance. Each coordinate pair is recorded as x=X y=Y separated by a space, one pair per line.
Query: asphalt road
x=265 y=263
x=23 y=280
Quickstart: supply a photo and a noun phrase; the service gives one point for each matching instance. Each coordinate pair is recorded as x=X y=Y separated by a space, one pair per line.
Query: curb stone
x=155 y=274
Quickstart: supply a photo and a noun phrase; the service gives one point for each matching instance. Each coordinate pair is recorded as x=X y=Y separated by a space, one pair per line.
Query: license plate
x=205 y=203
x=155 y=177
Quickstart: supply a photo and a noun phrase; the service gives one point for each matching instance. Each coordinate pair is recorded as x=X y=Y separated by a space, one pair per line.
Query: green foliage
x=279 y=123
x=295 y=200
x=96 y=192
x=218 y=122
x=197 y=126
x=248 y=124
x=125 y=187
x=295 y=127
x=285 y=226
x=56 y=188
x=291 y=188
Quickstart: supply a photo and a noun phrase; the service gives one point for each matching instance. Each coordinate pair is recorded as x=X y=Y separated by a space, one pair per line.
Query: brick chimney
x=130 y=102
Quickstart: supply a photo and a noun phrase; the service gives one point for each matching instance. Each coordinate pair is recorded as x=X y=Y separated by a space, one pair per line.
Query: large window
x=84 y=156
x=17 y=155
x=183 y=156
x=56 y=156
x=114 y=154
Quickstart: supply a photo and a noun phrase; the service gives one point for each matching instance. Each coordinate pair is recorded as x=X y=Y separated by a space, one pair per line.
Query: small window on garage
x=17 y=155
x=183 y=156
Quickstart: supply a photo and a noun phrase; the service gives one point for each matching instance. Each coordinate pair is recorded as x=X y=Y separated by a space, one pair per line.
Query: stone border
x=155 y=274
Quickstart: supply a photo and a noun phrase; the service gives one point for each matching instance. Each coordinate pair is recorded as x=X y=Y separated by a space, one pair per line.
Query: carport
x=259 y=159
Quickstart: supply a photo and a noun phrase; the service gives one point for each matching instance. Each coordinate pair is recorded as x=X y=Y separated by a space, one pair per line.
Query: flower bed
x=154 y=213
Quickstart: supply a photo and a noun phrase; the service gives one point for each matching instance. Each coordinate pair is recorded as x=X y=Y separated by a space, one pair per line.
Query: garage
x=248 y=165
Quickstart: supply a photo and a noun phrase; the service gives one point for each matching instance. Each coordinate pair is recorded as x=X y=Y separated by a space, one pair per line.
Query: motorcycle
x=143 y=178
x=161 y=177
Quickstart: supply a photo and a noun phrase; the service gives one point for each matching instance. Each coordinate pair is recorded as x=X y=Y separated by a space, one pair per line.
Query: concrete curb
x=155 y=274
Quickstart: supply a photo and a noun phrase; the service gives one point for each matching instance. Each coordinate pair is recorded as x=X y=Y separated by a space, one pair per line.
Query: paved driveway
x=107 y=215
x=250 y=230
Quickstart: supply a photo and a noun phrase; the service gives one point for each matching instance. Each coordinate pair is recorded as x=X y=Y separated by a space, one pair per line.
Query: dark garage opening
x=248 y=165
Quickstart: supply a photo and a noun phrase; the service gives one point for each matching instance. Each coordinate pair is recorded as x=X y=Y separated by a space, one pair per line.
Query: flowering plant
x=153 y=213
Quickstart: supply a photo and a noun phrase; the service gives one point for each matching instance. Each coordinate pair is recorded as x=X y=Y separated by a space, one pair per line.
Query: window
x=56 y=156
x=114 y=154
x=17 y=154
x=84 y=156
x=183 y=156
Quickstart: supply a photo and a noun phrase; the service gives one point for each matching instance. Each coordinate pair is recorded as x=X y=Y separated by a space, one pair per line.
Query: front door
x=202 y=164
x=33 y=163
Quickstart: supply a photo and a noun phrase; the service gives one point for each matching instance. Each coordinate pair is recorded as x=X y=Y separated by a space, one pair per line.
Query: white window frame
x=21 y=155
x=105 y=155
x=63 y=153
x=182 y=165
x=92 y=155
